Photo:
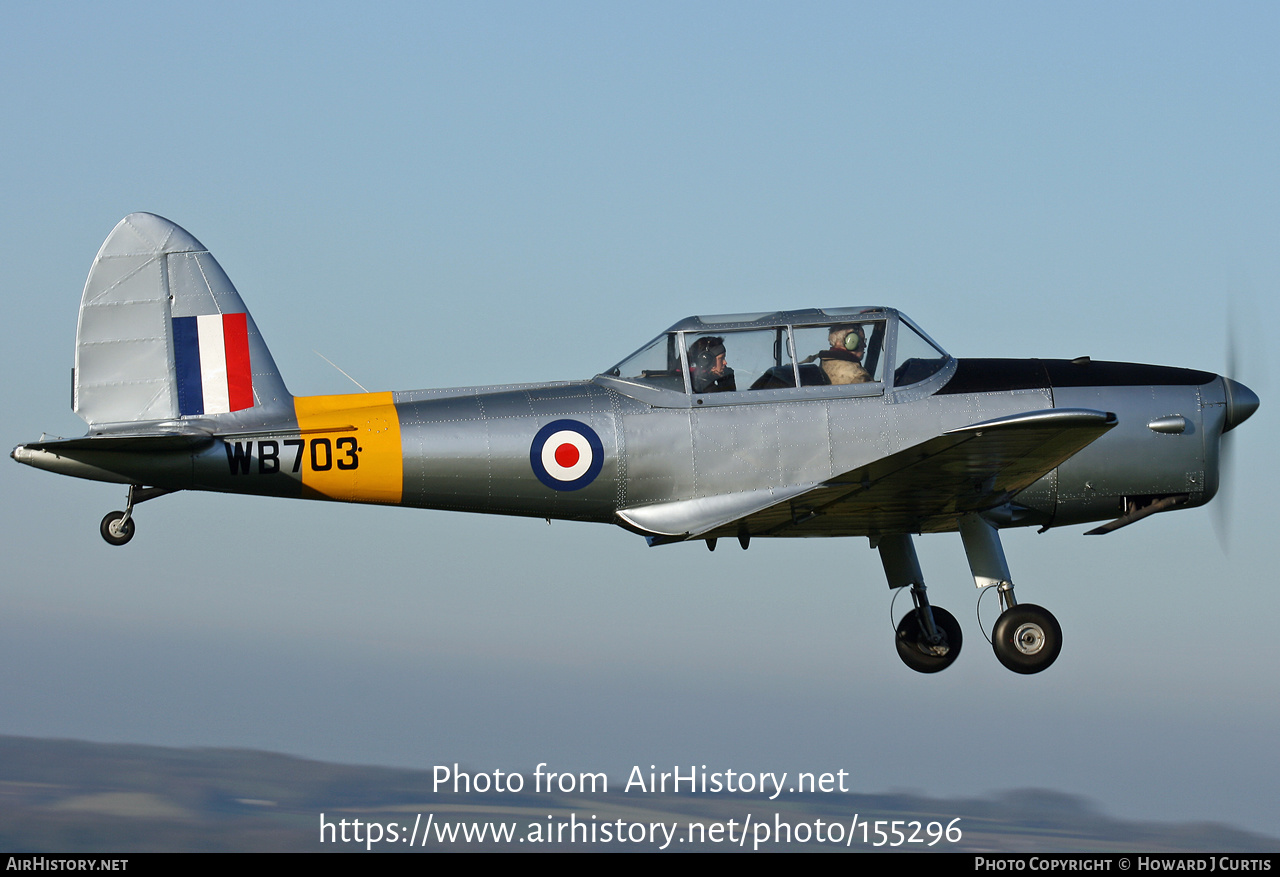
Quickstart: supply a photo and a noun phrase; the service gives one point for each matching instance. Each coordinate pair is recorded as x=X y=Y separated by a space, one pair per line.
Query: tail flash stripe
x=239 y=374
x=186 y=361
x=211 y=362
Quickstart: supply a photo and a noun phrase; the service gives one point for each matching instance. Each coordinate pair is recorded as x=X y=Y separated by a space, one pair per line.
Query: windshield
x=656 y=364
x=917 y=357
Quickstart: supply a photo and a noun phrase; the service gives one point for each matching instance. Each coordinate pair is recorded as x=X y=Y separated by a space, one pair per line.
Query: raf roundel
x=566 y=455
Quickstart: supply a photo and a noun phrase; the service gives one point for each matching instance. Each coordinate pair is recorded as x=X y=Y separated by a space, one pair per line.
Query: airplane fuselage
x=469 y=449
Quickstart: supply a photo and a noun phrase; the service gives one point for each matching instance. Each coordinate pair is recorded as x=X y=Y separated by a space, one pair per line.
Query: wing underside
x=923 y=489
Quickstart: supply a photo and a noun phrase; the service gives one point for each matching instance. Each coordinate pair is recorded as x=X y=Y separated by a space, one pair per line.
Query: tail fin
x=164 y=336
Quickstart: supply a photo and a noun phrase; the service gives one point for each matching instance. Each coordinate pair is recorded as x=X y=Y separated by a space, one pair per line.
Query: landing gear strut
x=117 y=527
x=1026 y=638
x=928 y=637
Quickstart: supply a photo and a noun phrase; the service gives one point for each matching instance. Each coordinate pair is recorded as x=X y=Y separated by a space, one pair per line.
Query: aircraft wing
x=923 y=489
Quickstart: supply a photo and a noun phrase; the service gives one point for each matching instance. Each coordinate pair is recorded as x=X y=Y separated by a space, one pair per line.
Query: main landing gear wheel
x=116 y=528
x=914 y=647
x=1026 y=638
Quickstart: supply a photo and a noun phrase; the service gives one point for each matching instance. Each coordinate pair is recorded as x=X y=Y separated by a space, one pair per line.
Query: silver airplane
x=817 y=422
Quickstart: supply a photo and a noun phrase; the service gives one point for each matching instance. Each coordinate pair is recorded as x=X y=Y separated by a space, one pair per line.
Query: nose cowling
x=1241 y=403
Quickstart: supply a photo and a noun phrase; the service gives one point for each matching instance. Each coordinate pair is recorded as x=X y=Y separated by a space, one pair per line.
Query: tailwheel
x=1027 y=638
x=914 y=645
x=117 y=528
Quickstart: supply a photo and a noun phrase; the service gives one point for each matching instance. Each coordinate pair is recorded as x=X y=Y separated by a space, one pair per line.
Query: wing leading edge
x=923 y=489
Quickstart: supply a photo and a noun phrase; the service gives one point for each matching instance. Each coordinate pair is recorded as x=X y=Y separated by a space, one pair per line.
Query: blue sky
x=439 y=195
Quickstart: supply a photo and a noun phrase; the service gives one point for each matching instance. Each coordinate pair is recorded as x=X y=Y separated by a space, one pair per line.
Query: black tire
x=1027 y=638
x=916 y=652
x=112 y=538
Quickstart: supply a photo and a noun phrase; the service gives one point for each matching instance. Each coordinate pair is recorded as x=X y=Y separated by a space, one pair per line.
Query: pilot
x=709 y=372
x=842 y=364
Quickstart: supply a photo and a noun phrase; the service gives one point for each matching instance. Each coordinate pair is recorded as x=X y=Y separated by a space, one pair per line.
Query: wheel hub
x=938 y=649
x=1029 y=638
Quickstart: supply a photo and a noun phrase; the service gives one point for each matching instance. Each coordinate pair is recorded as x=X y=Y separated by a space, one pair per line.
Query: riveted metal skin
x=795 y=458
x=802 y=423
x=925 y=441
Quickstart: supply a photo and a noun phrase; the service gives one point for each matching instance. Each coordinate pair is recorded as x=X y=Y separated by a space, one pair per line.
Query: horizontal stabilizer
x=117 y=458
x=132 y=443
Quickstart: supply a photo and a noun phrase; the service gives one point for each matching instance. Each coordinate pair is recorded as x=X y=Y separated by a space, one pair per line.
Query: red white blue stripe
x=211 y=359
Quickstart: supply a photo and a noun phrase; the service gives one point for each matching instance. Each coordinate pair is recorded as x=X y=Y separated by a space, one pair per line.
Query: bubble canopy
x=864 y=349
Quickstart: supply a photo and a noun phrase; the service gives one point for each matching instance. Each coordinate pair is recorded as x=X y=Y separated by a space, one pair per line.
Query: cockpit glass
x=917 y=358
x=656 y=364
x=841 y=353
x=829 y=354
x=757 y=359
